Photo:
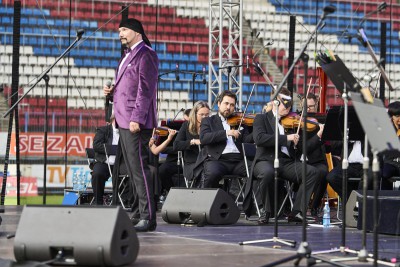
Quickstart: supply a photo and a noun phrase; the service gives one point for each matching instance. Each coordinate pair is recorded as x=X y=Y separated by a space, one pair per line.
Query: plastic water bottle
x=83 y=182
x=326 y=220
x=75 y=181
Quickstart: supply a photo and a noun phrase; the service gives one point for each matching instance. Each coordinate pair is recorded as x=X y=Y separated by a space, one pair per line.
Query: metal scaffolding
x=225 y=49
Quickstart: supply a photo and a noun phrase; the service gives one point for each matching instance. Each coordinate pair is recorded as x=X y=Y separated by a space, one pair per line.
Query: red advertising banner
x=28 y=186
x=32 y=144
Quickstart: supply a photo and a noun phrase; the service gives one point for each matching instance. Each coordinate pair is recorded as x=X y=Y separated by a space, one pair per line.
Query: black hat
x=394 y=108
x=136 y=26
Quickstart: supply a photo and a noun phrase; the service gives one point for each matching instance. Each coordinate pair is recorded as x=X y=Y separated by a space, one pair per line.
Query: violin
x=161 y=131
x=292 y=121
x=239 y=118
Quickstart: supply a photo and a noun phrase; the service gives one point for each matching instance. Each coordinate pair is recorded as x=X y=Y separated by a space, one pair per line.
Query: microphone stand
x=194 y=75
x=44 y=75
x=304 y=251
x=365 y=42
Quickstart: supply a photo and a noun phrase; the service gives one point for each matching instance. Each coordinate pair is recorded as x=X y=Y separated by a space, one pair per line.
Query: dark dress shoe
x=295 y=218
x=145 y=226
x=264 y=217
x=315 y=212
x=135 y=220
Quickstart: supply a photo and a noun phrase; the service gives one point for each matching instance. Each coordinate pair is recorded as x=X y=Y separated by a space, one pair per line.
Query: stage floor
x=177 y=245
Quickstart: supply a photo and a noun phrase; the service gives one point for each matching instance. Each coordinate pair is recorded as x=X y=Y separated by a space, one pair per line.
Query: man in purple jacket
x=134 y=97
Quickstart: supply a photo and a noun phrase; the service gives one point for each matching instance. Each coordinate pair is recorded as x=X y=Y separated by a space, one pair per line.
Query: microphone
x=382 y=6
x=108 y=84
x=204 y=75
x=79 y=33
x=257 y=68
x=107 y=103
x=270 y=42
x=177 y=71
x=351 y=36
x=328 y=10
x=176 y=115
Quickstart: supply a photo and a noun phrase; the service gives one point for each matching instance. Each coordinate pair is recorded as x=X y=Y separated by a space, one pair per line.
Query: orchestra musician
x=104 y=135
x=391 y=159
x=169 y=168
x=188 y=138
x=289 y=168
x=134 y=98
x=316 y=158
x=354 y=169
x=221 y=154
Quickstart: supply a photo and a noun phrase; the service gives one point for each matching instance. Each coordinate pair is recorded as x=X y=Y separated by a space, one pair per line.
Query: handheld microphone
x=108 y=84
x=177 y=71
x=107 y=103
x=204 y=75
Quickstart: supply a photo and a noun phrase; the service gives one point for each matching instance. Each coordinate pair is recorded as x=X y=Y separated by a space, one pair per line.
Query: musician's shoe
x=135 y=220
x=315 y=212
x=295 y=218
x=145 y=226
x=264 y=216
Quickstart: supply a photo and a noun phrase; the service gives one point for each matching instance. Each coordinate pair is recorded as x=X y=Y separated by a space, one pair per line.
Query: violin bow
x=247 y=104
x=302 y=112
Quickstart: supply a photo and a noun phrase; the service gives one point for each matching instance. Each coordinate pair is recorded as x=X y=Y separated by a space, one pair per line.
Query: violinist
x=289 y=168
x=221 y=153
x=188 y=138
x=169 y=167
x=391 y=159
x=316 y=157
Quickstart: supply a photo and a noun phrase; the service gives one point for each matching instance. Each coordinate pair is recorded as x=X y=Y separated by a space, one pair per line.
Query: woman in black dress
x=188 y=140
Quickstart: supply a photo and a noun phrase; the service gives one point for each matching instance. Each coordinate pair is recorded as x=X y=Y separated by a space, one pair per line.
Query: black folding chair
x=90 y=157
x=122 y=182
x=249 y=152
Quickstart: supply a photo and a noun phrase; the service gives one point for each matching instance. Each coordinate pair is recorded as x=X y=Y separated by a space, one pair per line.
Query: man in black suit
x=289 y=168
x=104 y=135
x=221 y=154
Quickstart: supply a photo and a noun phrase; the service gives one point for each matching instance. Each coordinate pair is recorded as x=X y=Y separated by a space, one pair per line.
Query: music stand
x=376 y=123
x=344 y=81
x=340 y=75
x=333 y=129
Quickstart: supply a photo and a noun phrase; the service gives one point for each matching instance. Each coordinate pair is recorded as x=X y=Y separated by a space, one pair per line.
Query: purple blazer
x=135 y=89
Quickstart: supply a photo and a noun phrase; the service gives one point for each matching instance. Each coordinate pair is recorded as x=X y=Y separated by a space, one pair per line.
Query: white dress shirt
x=230 y=144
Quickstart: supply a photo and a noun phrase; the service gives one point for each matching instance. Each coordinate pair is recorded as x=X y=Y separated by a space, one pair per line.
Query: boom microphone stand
x=45 y=77
x=275 y=238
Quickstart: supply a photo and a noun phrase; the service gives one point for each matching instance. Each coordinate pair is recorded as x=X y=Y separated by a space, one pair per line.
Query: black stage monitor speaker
x=389 y=211
x=211 y=206
x=100 y=236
